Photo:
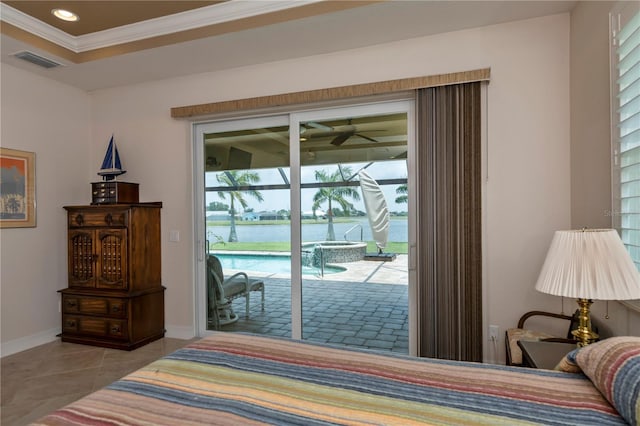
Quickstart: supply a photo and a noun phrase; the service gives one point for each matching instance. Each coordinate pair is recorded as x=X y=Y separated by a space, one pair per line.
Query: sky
x=279 y=199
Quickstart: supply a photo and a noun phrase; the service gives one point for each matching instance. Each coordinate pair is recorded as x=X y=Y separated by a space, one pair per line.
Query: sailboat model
x=111 y=165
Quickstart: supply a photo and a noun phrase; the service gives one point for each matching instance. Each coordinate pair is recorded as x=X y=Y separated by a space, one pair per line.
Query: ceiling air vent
x=37 y=59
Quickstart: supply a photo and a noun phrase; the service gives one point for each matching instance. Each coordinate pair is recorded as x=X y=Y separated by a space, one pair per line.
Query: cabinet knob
x=109 y=219
x=79 y=219
x=115 y=308
x=72 y=303
x=71 y=323
x=115 y=329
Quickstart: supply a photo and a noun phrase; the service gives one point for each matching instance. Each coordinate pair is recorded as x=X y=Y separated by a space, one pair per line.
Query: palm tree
x=402 y=192
x=236 y=178
x=334 y=193
x=13 y=204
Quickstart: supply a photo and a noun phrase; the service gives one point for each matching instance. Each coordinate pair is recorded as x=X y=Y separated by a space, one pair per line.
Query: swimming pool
x=271 y=263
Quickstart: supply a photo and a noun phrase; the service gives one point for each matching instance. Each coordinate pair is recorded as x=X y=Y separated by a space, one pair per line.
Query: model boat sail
x=111 y=166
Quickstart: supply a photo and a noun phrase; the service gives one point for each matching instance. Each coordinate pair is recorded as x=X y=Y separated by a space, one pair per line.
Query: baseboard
x=23 y=343
x=179 y=332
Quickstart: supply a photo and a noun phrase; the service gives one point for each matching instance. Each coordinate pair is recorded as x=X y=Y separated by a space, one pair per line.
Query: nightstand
x=545 y=355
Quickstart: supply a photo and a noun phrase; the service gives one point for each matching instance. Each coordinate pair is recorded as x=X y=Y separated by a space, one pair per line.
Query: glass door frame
x=199 y=200
x=293 y=119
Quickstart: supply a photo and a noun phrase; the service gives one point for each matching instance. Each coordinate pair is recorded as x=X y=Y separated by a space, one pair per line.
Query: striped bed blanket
x=239 y=379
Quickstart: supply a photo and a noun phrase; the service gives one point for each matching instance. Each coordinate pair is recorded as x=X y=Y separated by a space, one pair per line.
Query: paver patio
x=365 y=306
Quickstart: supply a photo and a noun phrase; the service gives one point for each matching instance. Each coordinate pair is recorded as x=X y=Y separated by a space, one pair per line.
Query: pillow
x=613 y=365
x=568 y=363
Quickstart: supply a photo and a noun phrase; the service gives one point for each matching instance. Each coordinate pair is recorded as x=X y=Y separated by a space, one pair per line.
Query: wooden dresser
x=115 y=297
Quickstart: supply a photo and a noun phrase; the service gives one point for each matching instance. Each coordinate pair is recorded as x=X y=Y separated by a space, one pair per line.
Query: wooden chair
x=512 y=335
x=221 y=292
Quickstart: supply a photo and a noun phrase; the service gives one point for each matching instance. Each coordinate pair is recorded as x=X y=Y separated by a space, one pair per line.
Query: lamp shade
x=589 y=264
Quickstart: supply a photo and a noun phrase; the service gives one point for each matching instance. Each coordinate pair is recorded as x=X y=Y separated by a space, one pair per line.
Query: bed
x=241 y=379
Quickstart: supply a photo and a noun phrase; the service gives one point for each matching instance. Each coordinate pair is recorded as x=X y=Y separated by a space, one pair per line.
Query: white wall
x=528 y=187
x=52 y=120
x=590 y=121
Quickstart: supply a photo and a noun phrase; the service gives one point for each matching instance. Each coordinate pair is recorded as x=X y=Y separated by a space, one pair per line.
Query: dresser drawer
x=114 y=192
x=99 y=306
x=93 y=218
x=104 y=200
x=95 y=326
x=104 y=190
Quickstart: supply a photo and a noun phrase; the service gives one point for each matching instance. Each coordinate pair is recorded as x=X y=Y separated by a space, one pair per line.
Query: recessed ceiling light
x=65 y=15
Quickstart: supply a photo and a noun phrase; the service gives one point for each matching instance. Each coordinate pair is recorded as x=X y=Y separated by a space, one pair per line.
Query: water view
x=398 y=231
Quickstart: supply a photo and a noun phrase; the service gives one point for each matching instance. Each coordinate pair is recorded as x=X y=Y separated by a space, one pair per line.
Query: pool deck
x=365 y=306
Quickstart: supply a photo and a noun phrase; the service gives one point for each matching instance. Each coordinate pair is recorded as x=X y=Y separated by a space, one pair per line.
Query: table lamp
x=589 y=264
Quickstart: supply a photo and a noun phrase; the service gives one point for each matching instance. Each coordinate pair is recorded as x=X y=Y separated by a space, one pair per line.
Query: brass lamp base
x=583 y=333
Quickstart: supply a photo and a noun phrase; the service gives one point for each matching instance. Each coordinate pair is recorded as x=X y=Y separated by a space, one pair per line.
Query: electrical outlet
x=493 y=332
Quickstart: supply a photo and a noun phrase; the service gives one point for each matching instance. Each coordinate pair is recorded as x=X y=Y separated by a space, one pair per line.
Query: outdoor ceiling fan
x=340 y=135
x=346 y=134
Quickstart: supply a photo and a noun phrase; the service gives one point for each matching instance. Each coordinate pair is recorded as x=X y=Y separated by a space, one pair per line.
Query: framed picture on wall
x=17 y=189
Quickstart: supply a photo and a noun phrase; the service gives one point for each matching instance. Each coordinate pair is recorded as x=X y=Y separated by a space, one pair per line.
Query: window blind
x=626 y=116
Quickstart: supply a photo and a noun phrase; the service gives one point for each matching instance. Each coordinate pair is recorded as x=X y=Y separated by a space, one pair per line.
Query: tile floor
x=365 y=306
x=42 y=379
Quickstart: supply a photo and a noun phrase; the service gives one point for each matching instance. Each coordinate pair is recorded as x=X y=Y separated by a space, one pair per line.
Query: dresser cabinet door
x=112 y=259
x=98 y=258
x=82 y=258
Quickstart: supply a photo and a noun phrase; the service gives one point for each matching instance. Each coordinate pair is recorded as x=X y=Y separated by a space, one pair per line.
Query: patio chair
x=222 y=292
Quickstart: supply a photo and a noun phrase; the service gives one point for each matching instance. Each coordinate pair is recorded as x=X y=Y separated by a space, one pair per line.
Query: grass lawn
x=392 y=247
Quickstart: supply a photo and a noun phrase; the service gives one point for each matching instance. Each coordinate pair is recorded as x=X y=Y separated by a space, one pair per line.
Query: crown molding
x=210 y=15
x=36 y=27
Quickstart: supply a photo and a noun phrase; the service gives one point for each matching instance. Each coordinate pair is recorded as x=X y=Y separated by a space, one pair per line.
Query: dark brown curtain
x=449 y=222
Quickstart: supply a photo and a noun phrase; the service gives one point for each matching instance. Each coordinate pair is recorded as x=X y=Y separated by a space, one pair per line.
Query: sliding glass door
x=317 y=206
x=354 y=226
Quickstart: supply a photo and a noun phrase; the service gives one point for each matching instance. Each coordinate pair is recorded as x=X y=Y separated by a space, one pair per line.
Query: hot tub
x=334 y=251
